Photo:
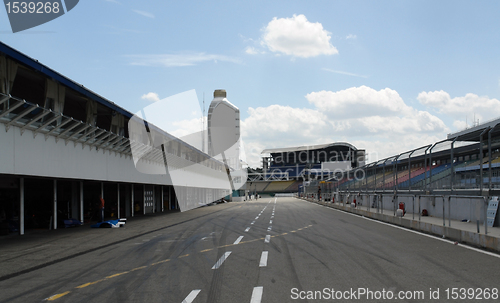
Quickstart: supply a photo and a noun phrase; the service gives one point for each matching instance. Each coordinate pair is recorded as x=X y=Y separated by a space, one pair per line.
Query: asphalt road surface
x=270 y=250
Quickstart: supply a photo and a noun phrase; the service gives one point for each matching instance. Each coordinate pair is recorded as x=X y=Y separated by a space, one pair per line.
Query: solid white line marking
x=252 y=222
x=268 y=238
x=257 y=294
x=269 y=228
x=263 y=259
x=416 y=232
x=221 y=260
x=238 y=240
x=248 y=228
x=192 y=295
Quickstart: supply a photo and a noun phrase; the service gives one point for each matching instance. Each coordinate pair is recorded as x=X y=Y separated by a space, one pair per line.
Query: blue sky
x=386 y=76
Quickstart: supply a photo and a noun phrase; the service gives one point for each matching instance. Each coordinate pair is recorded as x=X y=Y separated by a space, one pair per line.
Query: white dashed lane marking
x=221 y=260
x=248 y=228
x=268 y=239
x=192 y=295
x=263 y=259
x=238 y=240
x=257 y=294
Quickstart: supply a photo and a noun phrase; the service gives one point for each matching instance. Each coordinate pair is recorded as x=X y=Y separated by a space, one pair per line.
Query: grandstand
x=318 y=161
x=472 y=168
x=456 y=178
x=284 y=169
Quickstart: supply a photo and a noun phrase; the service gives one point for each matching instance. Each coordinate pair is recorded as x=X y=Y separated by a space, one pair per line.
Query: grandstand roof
x=307 y=147
x=472 y=134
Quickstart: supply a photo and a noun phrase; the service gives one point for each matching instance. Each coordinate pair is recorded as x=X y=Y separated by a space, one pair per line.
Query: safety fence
x=450 y=208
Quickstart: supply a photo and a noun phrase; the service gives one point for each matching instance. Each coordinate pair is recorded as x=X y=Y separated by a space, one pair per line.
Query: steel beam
x=67 y=130
x=11 y=109
x=57 y=126
x=19 y=116
x=36 y=118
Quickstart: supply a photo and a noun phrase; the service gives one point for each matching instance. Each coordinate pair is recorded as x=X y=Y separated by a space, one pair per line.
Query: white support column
x=55 y=205
x=118 y=215
x=81 y=201
x=162 y=208
x=154 y=199
x=132 y=202
x=21 y=206
x=144 y=199
x=170 y=198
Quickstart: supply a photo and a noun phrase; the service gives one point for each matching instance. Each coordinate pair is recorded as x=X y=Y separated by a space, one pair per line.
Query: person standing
x=101 y=208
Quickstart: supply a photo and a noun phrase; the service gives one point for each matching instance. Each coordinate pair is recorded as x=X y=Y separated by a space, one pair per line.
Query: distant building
x=318 y=161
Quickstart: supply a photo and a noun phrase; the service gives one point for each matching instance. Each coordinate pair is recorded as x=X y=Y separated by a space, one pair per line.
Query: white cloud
x=253 y=51
x=378 y=121
x=153 y=97
x=460 y=125
x=351 y=36
x=343 y=73
x=356 y=102
x=482 y=107
x=171 y=60
x=143 y=13
x=297 y=37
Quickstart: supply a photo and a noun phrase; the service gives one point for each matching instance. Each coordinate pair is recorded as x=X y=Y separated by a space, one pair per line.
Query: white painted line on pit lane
x=268 y=238
x=263 y=259
x=192 y=295
x=238 y=240
x=252 y=223
x=257 y=294
x=248 y=228
x=416 y=232
x=269 y=228
x=221 y=260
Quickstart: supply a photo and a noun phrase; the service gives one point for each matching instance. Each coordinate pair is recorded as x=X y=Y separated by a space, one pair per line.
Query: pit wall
x=488 y=242
x=457 y=208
